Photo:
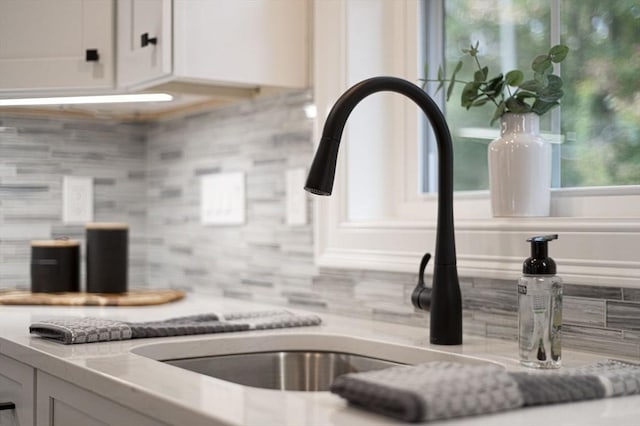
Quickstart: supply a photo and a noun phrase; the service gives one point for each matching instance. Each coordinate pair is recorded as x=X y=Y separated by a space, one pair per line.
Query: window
x=599 y=119
x=380 y=216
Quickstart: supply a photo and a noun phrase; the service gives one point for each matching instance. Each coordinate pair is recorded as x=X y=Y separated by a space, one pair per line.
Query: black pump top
x=539 y=263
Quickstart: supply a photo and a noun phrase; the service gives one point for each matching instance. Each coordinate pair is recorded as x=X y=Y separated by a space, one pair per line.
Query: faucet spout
x=445 y=301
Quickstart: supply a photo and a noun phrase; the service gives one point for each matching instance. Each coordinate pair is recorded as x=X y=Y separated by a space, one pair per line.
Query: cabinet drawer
x=17 y=386
x=61 y=403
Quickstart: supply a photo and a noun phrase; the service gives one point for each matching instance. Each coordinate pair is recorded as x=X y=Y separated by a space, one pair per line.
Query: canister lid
x=55 y=243
x=107 y=225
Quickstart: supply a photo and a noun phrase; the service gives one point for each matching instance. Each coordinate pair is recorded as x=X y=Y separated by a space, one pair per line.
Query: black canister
x=107 y=257
x=55 y=266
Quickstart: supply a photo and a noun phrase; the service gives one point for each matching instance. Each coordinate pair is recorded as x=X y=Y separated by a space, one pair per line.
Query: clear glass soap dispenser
x=540 y=308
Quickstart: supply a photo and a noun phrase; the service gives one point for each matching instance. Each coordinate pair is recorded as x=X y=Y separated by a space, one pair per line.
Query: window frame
x=599 y=227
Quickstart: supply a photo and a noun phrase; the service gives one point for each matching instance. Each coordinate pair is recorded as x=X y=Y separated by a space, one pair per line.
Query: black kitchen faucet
x=443 y=300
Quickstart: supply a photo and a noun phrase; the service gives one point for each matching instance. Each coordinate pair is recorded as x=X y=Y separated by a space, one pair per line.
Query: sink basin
x=291 y=361
x=284 y=370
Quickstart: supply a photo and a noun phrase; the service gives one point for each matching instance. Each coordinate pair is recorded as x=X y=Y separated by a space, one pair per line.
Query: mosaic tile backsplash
x=35 y=154
x=149 y=175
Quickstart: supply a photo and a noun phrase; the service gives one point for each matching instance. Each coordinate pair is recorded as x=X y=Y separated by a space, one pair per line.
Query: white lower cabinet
x=44 y=400
x=60 y=403
x=17 y=385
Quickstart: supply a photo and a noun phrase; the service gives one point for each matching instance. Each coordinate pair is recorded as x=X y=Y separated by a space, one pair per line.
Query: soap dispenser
x=540 y=307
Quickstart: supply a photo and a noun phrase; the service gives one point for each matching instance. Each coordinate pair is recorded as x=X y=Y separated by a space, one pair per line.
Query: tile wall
x=35 y=153
x=263 y=259
x=156 y=185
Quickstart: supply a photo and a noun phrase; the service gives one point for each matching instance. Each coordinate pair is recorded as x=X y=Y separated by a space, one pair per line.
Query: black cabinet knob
x=91 y=55
x=7 y=406
x=145 y=40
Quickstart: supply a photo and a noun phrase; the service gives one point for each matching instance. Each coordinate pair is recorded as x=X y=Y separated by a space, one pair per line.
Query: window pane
x=601 y=106
x=510 y=33
x=600 y=113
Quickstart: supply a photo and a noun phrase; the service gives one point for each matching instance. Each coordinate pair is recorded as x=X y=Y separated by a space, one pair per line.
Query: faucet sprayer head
x=323 y=168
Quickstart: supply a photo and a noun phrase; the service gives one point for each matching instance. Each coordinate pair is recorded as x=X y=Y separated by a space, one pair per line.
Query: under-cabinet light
x=101 y=99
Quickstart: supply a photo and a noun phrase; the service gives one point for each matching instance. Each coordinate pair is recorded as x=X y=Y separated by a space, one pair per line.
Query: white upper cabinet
x=254 y=43
x=89 y=46
x=62 y=44
x=144 y=42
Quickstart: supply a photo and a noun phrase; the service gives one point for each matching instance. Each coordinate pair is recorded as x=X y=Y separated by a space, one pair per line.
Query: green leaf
x=541 y=77
x=499 y=87
x=524 y=95
x=498 y=113
x=450 y=89
x=514 y=78
x=494 y=82
x=469 y=94
x=453 y=78
x=554 y=82
x=551 y=95
x=531 y=86
x=481 y=75
x=479 y=102
x=541 y=107
x=456 y=70
x=517 y=106
x=558 y=52
x=440 y=79
x=541 y=63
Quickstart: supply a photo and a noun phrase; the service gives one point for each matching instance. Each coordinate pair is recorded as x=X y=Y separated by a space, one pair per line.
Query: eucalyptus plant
x=509 y=92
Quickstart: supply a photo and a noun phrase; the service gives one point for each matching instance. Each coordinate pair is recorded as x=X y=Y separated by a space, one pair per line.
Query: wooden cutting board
x=141 y=297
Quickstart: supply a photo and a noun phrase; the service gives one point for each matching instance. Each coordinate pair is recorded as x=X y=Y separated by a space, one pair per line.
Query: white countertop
x=181 y=397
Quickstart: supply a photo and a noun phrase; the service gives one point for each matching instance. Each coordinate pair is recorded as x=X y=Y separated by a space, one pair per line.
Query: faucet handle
x=423 y=266
x=421 y=295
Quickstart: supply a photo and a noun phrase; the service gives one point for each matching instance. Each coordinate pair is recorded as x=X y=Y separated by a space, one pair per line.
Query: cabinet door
x=256 y=43
x=17 y=386
x=61 y=403
x=144 y=39
x=44 y=44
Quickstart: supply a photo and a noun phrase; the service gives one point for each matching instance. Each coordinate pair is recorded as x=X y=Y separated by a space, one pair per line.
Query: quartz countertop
x=117 y=371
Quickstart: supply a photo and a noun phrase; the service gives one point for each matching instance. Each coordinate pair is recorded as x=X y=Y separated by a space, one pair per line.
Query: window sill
x=590 y=250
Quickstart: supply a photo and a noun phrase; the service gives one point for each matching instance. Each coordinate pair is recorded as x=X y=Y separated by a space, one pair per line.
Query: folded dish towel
x=89 y=330
x=443 y=390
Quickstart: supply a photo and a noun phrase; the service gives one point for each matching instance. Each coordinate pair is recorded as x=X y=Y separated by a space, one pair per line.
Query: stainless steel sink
x=285 y=370
x=289 y=361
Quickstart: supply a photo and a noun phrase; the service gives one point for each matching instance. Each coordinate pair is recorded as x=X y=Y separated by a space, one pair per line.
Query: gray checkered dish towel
x=90 y=330
x=443 y=390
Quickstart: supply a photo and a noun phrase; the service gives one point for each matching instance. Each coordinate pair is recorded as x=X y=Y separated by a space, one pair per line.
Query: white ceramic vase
x=520 y=168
